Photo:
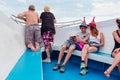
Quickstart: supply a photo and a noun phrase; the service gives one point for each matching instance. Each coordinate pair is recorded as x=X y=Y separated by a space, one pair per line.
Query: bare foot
x=33 y=48
x=107 y=74
x=29 y=45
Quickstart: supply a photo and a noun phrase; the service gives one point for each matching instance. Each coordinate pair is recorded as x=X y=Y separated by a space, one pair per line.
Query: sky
x=66 y=10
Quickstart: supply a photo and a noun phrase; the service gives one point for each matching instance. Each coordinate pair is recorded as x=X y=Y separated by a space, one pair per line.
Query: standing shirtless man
x=32 y=29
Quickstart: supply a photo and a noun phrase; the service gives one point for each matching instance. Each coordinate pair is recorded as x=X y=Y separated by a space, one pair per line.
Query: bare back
x=31 y=17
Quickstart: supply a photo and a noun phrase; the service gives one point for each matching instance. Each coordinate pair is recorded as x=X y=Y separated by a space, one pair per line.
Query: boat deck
x=30 y=67
x=72 y=73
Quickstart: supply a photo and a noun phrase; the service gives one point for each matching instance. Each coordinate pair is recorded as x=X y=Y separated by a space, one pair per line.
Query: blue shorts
x=91 y=42
x=77 y=47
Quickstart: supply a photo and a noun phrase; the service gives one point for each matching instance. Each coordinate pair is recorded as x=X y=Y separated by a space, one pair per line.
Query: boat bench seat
x=104 y=54
x=97 y=56
x=105 y=59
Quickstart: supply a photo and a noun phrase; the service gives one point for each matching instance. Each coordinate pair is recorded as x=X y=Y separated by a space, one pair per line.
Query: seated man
x=74 y=42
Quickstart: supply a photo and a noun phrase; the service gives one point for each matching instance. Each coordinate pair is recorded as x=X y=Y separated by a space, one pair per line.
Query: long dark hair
x=118 y=22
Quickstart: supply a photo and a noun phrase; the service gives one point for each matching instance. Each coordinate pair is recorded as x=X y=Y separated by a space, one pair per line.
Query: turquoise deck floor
x=72 y=73
x=28 y=67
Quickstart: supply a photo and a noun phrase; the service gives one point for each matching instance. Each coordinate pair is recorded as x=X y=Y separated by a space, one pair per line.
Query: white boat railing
x=58 y=24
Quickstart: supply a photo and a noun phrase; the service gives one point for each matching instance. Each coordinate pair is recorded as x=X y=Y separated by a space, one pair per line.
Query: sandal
x=83 y=71
x=56 y=67
x=62 y=69
x=106 y=73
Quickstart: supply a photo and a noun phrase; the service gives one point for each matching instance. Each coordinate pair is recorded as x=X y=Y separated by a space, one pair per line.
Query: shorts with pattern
x=32 y=34
x=68 y=43
x=47 y=38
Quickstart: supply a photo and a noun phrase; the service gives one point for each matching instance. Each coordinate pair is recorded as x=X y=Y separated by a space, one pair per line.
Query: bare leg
x=63 y=48
x=72 y=47
x=114 y=64
x=84 y=52
x=47 y=60
x=37 y=45
x=48 y=53
x=86 y=49
x=86 y=60
x=30 y=45
x=89 y=49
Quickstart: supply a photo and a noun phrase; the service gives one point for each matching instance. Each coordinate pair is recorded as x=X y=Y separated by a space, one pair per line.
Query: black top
x=117 y=45
x=47 y=22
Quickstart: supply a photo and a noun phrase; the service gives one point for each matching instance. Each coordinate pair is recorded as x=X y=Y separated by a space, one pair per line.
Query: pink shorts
x=47 y=38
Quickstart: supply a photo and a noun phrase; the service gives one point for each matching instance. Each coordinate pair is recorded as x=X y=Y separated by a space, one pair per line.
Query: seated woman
x=96 y=39
x=71 y=45
x=116 y=50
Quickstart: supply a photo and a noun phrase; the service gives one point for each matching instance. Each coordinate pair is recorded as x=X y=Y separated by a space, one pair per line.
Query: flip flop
x=107 y=74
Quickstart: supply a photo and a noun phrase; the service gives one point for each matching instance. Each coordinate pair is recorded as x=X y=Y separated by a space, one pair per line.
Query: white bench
x=98 y=56
x=104 y=54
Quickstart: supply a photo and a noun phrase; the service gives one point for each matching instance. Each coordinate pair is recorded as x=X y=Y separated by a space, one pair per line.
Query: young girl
x=96 y=39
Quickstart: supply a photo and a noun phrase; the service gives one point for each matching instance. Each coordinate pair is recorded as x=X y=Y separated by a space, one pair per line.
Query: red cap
x=92 y=23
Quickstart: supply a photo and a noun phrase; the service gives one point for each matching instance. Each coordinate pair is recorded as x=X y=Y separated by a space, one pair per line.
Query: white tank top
x=95 y=39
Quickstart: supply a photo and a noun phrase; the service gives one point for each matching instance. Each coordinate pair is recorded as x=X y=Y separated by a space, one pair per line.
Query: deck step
x=28 y=67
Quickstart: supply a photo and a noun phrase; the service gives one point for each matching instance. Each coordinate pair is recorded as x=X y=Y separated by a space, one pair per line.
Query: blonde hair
x=47 y=9
x=94 y=31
